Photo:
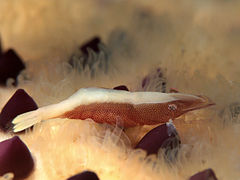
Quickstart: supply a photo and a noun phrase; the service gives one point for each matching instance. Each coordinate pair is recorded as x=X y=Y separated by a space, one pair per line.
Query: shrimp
x=113 y=106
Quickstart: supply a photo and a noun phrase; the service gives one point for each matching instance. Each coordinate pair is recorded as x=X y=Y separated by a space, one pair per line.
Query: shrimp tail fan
x=26 y=120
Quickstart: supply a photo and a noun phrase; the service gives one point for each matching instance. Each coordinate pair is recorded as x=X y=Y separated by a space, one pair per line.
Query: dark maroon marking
x=0 y=47
x=145 y=81
x=86 y=175
x=15 y=157
x=121 y=87
x=165 y=137
x=10 y=66
x=91 y=44
x=155 y=79
x=19 y=103
x=207 y=174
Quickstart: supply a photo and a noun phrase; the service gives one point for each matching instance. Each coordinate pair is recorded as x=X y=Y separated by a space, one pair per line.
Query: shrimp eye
x=172 y=107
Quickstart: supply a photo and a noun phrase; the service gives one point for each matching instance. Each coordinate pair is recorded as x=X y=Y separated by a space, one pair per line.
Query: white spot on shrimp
x=172 y=107
x=171 y=128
